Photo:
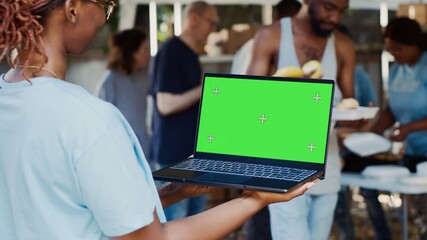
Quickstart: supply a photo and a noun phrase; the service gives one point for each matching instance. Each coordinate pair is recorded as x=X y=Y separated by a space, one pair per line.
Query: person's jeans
x=308 y=217
x=376 y=214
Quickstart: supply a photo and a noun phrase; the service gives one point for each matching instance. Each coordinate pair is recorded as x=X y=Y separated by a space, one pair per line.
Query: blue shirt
x=70 y=165
x=364 y=89
x=408 y=101
x=175 y=69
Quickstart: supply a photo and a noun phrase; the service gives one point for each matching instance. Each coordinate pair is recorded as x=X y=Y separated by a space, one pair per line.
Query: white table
x=356 y=179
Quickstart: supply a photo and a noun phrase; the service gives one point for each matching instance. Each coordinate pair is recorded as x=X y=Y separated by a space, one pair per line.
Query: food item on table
x=348 y=103
x=312 y=67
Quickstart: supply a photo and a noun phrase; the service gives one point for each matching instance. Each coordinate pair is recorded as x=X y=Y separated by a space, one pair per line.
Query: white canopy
x=356 y=4
x=128 y=11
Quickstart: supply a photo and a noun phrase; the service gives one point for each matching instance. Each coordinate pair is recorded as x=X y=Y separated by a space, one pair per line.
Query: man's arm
x=168 y=82
x=347 y=62
x=266 y=45
x=170 y=103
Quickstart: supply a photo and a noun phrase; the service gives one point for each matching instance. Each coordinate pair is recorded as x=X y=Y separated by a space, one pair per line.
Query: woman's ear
x=71 y=12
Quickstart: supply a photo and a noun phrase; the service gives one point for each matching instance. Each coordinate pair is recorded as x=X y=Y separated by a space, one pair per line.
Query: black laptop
x=258 y=132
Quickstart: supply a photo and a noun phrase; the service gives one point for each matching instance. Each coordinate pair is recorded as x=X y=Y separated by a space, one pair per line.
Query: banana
x=289 y=71
x=314 y=67
x=348 y=103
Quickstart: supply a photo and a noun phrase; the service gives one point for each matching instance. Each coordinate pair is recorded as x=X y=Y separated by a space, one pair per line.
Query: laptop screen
x=265 y=117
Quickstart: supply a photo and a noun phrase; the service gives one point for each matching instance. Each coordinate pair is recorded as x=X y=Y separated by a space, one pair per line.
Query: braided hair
x=21 y=26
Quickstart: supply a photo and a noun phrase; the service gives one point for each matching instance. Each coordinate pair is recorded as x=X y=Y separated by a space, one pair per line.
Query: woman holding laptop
x=70 y=165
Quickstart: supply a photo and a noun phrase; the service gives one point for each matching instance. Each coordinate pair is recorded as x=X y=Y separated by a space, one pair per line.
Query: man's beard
x=315 y=25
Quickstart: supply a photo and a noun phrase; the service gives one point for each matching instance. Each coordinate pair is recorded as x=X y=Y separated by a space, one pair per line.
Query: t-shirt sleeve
x=167 y=72
x=114 y=186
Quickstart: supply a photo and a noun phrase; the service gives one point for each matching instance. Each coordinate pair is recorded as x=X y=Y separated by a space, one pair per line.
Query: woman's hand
x=399 y=134
x=266 y=198
x=173 y=192
x=191 y=190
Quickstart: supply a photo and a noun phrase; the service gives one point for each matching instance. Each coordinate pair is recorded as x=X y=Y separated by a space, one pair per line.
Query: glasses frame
x=212 y=23
x=109 y=6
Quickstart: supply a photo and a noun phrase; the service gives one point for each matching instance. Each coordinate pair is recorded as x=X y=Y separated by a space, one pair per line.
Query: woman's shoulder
x=84 y=105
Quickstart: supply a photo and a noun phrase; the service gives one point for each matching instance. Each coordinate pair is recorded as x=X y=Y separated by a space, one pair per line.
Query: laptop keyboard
x=245 y=169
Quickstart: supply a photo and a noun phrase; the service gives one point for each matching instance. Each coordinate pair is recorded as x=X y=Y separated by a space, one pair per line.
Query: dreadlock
x=21 y=28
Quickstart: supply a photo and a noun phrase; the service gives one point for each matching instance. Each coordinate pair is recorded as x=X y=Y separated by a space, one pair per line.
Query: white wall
x=85 y=71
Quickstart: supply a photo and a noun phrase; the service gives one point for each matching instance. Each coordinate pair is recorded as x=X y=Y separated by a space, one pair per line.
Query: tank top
x=288 y=55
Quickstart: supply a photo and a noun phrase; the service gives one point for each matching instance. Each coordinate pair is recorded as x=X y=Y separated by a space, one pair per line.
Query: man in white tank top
x=310 y=35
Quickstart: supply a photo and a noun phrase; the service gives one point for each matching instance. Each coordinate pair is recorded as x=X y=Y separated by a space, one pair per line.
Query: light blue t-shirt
x=408 y=101
x=70 y=165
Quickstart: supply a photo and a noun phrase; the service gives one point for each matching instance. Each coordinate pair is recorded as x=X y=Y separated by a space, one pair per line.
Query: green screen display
x=284 y=120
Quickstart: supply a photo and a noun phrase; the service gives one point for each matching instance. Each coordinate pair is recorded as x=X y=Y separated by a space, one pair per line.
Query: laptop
x=258 y=132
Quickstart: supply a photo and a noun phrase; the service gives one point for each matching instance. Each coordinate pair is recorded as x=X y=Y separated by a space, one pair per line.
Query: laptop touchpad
x=218 y=177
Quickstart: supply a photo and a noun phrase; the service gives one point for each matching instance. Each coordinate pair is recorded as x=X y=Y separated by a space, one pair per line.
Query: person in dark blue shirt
x=175 y=79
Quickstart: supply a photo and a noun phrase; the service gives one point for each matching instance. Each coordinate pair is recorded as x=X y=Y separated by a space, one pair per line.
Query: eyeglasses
x=212 y=23
x=109 y=6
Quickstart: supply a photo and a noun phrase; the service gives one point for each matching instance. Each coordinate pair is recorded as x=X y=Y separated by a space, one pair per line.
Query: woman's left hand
x=173 y=192
x=192 y=190
x=400 y=133
x=183 y=190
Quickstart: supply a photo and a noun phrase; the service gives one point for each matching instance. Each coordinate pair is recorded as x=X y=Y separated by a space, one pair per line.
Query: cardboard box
x=416 y=11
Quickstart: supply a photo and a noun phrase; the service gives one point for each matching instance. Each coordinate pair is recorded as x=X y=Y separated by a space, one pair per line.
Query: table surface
x=356 y=179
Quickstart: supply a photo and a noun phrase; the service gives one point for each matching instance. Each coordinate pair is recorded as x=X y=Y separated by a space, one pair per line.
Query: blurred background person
x=366 y=94
x=175 y=80
x=407 y=101
x=309 y=35
x=364 y=89
x=125 y=84
x=284 y=8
